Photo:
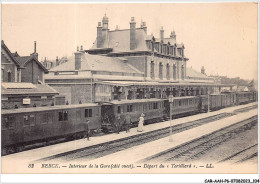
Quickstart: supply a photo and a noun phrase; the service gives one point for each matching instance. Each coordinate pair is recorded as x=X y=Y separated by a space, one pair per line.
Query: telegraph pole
x=171 y=101
x=208 y=102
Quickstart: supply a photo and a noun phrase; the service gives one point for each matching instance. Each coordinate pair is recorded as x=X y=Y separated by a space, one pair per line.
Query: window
x=32 y=120
x=44 y=118
x=182 y=72
x=152 y=69
x=4 y=123
x=179 y=103
x=8 y=122
x=9 y=76
x=65 y=117
x=168 y=72
x=60 y=116
x=88 y=113
x=26 y=120
x=50 y=117
x=155 y=105
x=174 y=72
x=161 y=71
x=129 y=108
x=118 y=109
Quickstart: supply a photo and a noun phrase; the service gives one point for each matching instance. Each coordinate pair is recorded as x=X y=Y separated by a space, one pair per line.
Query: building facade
x=22 y=82
x=128 y=64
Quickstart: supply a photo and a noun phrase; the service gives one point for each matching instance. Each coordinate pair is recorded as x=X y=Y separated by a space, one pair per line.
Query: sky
x=222 y=37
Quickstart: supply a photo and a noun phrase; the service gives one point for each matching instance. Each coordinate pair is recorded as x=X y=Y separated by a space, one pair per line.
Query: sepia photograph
x=129 y=88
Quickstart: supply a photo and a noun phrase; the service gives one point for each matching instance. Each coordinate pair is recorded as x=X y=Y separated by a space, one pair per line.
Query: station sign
x=26 y=101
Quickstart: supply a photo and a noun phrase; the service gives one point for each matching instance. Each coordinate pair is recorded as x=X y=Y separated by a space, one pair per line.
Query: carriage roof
x=47 y=108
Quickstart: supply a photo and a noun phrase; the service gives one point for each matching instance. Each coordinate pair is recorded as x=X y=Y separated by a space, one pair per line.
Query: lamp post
x=170 y=101
x=208 y=102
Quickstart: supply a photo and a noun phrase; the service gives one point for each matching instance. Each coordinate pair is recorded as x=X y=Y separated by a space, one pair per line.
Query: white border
x=123 y=178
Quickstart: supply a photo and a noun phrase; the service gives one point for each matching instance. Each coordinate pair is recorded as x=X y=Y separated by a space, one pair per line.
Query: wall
x=7 y=65
x=74 y=93
x=10 y=102
x=32 y=73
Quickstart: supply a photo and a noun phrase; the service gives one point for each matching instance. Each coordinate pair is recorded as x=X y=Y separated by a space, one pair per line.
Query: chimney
x=78 y=58
x=57 y=61
x=132 y=34
x=203 y=70
x=34 y=47
x=144 y=27
x=173 y=35
x=99 y=35
x=35 y=53
x=162 y=34
x=81 y=48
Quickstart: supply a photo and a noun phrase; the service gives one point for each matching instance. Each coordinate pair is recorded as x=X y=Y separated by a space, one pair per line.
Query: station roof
x=16 y=88
x=47 y=108
x=160 y=84
x=98 y=63
x=135 y=101
x=195 y=74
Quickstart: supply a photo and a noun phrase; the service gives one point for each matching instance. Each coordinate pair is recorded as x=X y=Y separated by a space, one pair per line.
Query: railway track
x=103 y=149
x=243 y=155
x=110 y=147
x=245 y=109
x=196 y=148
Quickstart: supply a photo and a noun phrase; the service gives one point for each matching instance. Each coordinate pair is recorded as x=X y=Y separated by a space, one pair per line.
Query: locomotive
x=27 y=126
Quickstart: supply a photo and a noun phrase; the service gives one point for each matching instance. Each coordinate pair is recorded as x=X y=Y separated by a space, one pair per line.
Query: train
x=29 y=126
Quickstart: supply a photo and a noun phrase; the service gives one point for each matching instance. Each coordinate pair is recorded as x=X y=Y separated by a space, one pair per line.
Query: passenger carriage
x=184 y=106
x=152 y=108
x=28 y=125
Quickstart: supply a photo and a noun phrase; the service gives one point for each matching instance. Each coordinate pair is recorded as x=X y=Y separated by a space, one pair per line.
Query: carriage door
x=107 y=114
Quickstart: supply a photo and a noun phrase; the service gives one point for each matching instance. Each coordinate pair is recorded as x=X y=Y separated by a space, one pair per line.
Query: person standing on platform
x=118 y=123
x=87 y=130
x=127 y=123
x=140 y=127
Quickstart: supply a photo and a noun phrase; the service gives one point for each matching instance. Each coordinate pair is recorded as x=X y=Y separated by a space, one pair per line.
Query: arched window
x=152 y=69
x=161 y=71
x=168 y=71
x=182 y=72
x=174 y=72
x=9 y=76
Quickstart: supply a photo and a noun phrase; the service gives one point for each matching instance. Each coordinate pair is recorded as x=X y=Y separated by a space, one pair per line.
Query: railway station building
x=22 y=81
x=129 y=64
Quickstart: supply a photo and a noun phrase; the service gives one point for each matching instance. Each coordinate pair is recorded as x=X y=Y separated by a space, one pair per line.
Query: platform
x=137 y=153
x=35 y=154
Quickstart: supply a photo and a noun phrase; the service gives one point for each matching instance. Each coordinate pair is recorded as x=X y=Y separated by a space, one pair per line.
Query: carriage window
x=129 y=108
x=4 y=123
x=50 y=117
x=26 y=120
x=32 y=120
x=88 y=113
x=118 y=109
x=44 y=118
x=60 y=116
x=144 y=107
x=65 y=115
x=155 y=106
x=97 y=111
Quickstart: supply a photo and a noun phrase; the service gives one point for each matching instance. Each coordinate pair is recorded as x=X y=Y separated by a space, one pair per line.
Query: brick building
x=23 y=81
x=128 y=64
